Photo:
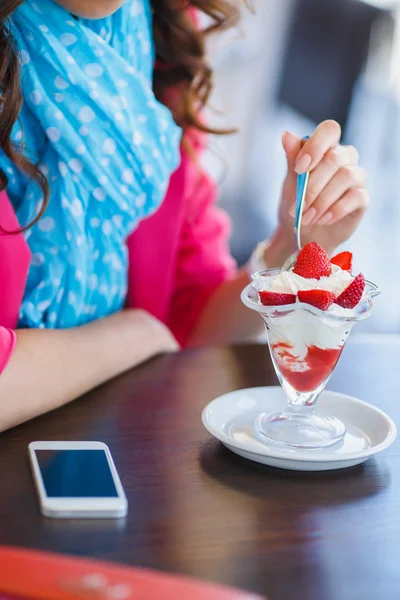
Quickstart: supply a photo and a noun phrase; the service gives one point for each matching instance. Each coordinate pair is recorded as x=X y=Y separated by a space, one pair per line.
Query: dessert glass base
x=307 y=429
x=305 y=344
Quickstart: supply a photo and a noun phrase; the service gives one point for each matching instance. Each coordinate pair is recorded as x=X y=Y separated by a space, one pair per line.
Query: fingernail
x=292 y=210
x=309 y=215
x=303 y=163
x=325 y=219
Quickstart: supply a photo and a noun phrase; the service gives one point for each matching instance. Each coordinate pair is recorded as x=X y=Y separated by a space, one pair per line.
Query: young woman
x=113 y=268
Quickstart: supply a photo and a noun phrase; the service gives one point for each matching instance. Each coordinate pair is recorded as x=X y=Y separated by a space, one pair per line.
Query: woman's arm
x=225 y=317
x=52 y=367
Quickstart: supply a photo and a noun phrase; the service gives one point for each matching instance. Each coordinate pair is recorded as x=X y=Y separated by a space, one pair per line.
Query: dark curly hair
x=181 y=66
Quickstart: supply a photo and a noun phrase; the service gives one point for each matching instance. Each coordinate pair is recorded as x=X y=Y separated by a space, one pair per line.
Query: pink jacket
x=178 y=257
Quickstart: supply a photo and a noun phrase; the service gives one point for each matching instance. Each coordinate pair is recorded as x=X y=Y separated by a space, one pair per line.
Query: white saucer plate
x=230 y=418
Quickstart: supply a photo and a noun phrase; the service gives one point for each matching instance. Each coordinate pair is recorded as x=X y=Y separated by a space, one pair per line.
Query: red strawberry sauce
x=307 y=374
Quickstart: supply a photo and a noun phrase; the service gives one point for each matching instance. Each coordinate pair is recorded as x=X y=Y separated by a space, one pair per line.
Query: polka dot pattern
x=86 y=114
x=60 y=83
x=94 y=70
x=53 y=134
x=46 y=224
x=100 y=194
x=75 y=165
x=25 y=58
x=36 y=97
x=109 y=146
x=68 y=39
x=93 y=125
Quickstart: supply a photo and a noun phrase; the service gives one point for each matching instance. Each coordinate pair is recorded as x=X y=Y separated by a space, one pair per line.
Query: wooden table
x=197 y=509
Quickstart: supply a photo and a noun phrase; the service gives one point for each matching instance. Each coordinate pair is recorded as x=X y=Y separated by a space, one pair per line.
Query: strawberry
x=344 y=260
x=313 y=262
x=319 y=298
x=353 y=293
x=276 y=299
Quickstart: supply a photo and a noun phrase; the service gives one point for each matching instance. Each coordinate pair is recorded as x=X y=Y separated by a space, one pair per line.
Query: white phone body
x=110 y=505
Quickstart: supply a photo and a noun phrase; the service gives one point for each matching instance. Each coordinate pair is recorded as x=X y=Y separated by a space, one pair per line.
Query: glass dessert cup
x=305 y=345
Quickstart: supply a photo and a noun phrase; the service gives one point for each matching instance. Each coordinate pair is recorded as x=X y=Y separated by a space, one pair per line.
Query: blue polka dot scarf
x=108 y=148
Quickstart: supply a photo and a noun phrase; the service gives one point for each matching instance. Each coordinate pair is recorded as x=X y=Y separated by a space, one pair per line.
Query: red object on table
x=29 y=575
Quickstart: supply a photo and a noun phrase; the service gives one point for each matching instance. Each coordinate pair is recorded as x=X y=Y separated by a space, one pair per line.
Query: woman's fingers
x=333 y=160
x=345 y=179
x=336 y=187
x=354 y=201
x=292 y=146
x=326 y=136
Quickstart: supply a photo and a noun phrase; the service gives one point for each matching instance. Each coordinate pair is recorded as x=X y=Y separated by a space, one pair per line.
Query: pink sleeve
x=8 y=339
x=204 y=259
x=14 y=265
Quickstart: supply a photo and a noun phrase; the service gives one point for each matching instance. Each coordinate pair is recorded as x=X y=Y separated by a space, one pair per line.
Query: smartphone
x=77 y=480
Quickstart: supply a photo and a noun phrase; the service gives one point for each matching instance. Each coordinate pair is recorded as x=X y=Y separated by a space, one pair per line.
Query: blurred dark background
x=296 y=63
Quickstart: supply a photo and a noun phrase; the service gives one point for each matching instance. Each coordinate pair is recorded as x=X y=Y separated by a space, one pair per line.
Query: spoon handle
x=302 y=182
x=301 y=191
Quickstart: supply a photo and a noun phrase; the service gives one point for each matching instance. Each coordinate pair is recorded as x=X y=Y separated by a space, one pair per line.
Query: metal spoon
x=301 y=192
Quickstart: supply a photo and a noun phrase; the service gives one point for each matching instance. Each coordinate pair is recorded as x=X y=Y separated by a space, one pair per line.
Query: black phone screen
x=76 y=474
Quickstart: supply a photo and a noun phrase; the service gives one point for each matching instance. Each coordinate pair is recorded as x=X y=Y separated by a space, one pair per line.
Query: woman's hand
x=336 y=199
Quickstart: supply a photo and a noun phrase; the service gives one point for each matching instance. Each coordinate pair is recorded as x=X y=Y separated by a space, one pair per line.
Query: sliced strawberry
x=276 y=299
x=353 y=293
x=319 y=298
x=344 y=260
x=313 y=262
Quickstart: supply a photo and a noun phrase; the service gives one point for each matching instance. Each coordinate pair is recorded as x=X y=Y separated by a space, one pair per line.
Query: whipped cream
x=301 y=328
x=287 y=282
